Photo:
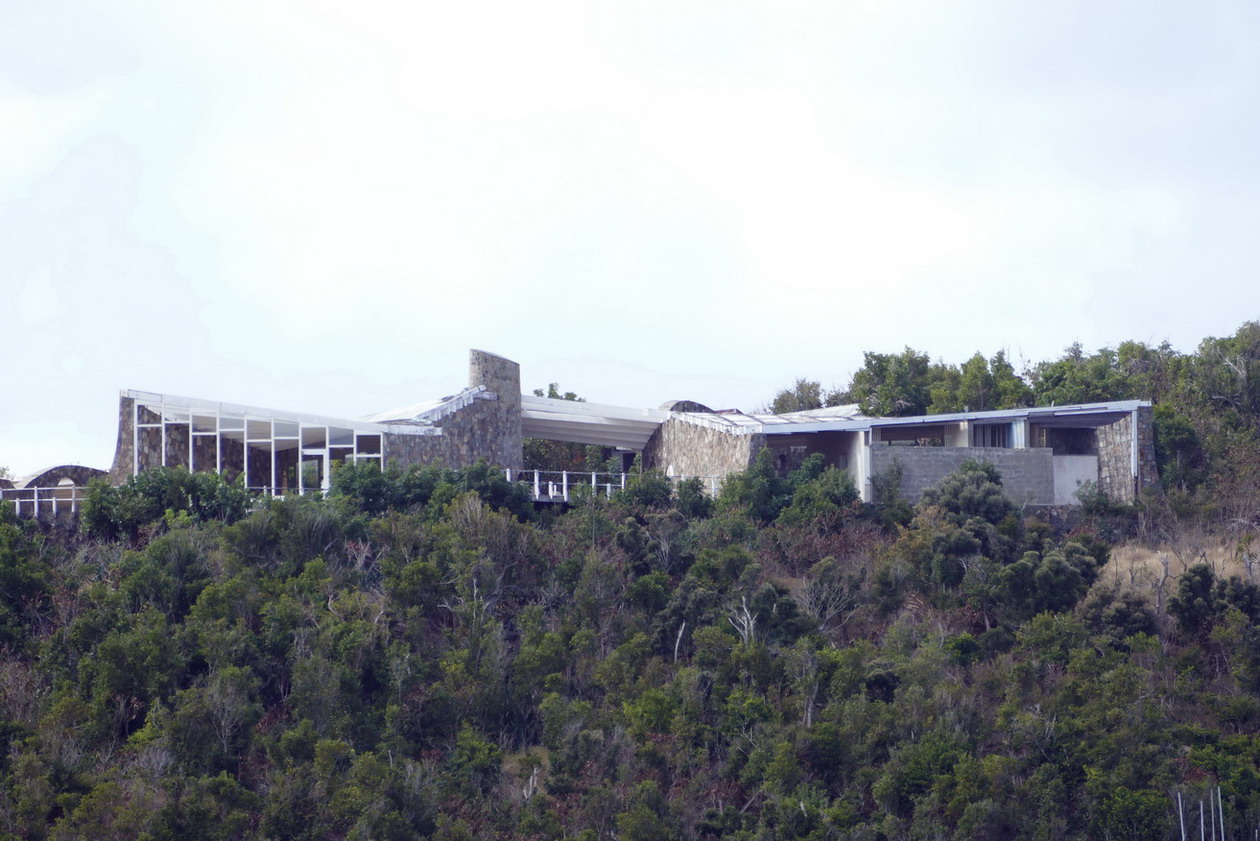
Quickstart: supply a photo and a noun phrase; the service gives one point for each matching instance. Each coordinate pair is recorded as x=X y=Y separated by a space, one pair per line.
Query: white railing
x=544 y=486
x=559 y=485
x=45 y=503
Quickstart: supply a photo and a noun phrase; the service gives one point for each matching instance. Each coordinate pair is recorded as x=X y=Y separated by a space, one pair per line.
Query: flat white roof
x=849 y=419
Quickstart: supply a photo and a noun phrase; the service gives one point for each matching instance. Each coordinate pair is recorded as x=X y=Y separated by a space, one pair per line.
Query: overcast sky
x=322 y=205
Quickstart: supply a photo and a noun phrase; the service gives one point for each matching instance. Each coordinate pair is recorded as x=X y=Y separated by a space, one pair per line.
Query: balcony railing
x=555 y=486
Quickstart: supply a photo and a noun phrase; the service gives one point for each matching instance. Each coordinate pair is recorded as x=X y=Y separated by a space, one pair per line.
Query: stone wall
x=477 y=431
x=683 y=448
x=1027 y=475
x=489 y=427
x=1115 y=456
x=52 y=477
x=124 y=450
x=493 y=430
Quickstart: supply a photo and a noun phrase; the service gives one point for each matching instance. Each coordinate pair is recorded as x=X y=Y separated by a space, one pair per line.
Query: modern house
x=1044 y=454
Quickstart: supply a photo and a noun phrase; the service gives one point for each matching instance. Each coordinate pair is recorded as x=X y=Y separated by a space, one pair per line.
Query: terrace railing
x=45 y=503
x=556 y=486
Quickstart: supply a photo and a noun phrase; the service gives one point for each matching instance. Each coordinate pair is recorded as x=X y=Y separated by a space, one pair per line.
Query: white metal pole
x=564 y=484
x=275 y=463
x=1220 y=804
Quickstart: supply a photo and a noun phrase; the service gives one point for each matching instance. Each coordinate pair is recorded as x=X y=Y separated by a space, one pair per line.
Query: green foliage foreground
x=423 y=655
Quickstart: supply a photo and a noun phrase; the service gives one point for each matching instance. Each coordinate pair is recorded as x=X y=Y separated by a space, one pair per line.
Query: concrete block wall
x=1027 y=475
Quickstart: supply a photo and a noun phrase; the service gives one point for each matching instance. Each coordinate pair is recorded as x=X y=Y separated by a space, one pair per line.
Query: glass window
x=259 y=430
x=314 y=436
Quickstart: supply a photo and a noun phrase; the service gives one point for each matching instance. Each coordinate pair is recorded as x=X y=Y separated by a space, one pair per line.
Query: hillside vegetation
x=424 y=654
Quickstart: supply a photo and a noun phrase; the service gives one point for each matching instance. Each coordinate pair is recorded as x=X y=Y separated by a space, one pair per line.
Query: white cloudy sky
x=322 y=205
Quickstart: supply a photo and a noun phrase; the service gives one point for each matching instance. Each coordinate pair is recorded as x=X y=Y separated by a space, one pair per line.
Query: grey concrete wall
x=690 y=449
x=1027 y=475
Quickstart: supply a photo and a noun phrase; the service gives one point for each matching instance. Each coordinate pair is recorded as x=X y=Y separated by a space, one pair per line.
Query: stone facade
x=1027 y=475
x=684 y=448
x=488 y=427
x=1115 y=456
x=493 y=432
x=475 y=432
x=53 y=476
x=124 y=450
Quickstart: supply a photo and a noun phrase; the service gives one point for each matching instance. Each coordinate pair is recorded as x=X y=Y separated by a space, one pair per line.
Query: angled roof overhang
x=588 y=423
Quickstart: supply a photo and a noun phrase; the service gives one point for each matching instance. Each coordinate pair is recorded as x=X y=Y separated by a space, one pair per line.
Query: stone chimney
x=501 y=377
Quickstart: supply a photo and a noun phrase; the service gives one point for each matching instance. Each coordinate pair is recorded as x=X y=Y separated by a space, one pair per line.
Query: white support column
x=537 y=489
x=564 y=484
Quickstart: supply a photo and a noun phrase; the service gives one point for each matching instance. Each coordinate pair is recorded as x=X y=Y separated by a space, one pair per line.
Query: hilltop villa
x=1044 y=454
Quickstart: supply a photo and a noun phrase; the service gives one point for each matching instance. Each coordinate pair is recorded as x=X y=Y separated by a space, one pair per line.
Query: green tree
x=803 y=396
x=892 y=385
x=1078 y=378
